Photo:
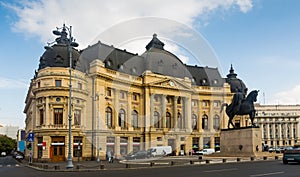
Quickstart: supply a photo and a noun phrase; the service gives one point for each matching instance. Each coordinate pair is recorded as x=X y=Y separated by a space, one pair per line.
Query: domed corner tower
x=57 y=55
x=236 y=84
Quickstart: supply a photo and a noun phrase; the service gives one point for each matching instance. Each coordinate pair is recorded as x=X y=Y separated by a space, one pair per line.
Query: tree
x=7 y=144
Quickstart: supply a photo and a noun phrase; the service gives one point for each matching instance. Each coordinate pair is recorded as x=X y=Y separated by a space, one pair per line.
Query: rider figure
x=238 y=98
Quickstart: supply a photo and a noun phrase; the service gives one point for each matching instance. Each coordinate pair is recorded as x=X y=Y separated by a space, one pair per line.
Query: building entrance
x=57 y=149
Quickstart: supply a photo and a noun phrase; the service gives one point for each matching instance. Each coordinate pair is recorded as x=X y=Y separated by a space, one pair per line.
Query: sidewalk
x=144 y=163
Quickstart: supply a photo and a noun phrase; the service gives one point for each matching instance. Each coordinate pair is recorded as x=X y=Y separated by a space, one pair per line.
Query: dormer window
x=121 y=67
x=108 y=63
x=216 y=81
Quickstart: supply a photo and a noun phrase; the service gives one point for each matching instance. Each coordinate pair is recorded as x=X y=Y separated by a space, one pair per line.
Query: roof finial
x=155 y=42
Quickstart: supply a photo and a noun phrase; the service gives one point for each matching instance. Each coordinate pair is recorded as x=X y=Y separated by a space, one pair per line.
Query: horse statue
x=241 y=106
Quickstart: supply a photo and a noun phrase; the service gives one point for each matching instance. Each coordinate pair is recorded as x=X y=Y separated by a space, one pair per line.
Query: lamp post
x=70 y=43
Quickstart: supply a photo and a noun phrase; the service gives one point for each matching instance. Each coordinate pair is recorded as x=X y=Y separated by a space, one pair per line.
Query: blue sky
x=261 y=38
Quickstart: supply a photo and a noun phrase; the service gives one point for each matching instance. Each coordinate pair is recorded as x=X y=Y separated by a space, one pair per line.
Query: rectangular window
x=135 y=96
x=79 y=85
x=77 y=117
x=122 y=95
x=216 y=104
x=39 y=84
x=108 y=92
x=57 y=83
x=58 y=116
x=41 y=116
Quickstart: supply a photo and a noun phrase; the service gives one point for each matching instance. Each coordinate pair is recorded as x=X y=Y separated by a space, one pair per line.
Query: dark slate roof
x=205 y=76
x=162 y=62
x=57 y=56
x=155 y=59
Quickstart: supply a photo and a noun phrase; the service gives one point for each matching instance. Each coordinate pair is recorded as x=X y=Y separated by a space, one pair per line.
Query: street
x=10 y=168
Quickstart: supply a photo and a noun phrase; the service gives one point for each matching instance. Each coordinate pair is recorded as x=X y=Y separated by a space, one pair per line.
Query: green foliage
x=7 y=144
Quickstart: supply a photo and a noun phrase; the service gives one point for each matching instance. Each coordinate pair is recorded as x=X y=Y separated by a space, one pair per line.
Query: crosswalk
x=9 y=165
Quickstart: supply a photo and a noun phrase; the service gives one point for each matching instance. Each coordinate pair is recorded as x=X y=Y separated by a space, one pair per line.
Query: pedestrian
x=109 y=156
x=112 y=157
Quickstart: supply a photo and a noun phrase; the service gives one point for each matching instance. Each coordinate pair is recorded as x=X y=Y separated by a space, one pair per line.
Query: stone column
x=188 y=114
x=47 y=117
x=116 y=105
x=129 y=111
x=117 y=146
x=151 y=109
x=174 y=124
x=163 y=111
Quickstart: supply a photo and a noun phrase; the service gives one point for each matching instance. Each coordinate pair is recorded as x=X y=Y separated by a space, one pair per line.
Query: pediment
x=171 y=83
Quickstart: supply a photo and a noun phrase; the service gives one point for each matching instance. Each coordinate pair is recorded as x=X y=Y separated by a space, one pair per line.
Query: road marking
x=267 y=174
x=220 y=170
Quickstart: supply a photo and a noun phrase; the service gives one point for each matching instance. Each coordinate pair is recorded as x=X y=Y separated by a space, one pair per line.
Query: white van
x=205 y=151
x=160 y=150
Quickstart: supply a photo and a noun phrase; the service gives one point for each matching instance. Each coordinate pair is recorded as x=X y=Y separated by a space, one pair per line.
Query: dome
x=236 y=84
x=160 y=61
x=57 y=56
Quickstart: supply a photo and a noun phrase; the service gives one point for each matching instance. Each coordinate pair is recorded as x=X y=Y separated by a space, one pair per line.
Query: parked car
x=205 y=152
x=3 y=154
x=137 y=155
x=19 y=156
x=160 y=151
x=271 y=149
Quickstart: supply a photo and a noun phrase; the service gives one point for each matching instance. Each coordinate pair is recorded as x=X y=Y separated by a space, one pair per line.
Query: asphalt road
x=10 y=168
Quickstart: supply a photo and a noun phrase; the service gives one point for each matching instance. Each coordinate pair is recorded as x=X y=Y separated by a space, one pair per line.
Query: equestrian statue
x=241 y=106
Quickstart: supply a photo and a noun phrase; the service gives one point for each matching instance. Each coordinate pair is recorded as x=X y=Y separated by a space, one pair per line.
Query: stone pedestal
x=241 y=141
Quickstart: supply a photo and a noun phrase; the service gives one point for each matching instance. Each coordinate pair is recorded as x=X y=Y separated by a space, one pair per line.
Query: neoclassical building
x=124 y=102
x=279 y=124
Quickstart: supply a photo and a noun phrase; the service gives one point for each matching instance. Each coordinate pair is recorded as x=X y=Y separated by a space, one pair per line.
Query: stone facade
x=113 y=110
x=279 y=124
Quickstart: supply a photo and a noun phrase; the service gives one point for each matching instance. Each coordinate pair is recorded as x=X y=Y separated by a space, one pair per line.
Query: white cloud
x=6 y=83
x=91 y=17
x=291 y=96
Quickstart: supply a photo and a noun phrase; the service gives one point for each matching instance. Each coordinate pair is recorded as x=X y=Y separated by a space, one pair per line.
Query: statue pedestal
x=240 y=141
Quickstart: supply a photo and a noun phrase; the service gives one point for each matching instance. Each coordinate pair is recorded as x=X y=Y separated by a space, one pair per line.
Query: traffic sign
x=30 y=137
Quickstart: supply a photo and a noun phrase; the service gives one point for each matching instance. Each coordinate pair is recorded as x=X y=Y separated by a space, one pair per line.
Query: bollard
x=224 y=160
x=172 y=163
x=276 y=157
x=151 y=164
x=56 y=167
x=207 y=161
x=127 y=165
x=191 y=162
x=251 y=158
x=238 y=159
x=265 y=157
x=78 y=166
x=200 y=158
x=101 y=166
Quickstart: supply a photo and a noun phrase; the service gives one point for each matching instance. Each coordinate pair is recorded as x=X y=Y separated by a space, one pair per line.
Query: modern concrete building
x=124 y=102
x=279 y=124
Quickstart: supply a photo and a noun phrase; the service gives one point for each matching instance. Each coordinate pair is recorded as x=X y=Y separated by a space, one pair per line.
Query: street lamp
x=71 y=43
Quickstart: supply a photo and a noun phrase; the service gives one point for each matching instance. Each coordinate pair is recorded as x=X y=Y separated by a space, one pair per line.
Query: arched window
x=194 y=122
x=122 y=117
x=216 y=122
x=157 y=123
x=108 y=115
x=134 y=118
x=180 y=122
x=168 y=120
x=205 y=122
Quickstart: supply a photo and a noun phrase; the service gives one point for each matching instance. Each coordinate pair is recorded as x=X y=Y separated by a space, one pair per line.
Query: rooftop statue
x=241 y=105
